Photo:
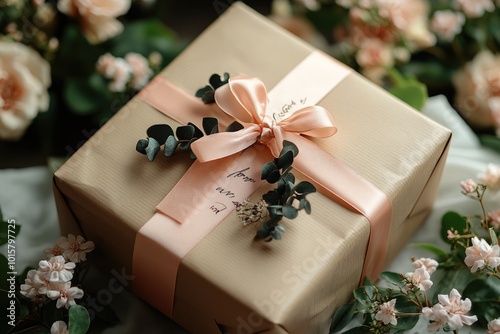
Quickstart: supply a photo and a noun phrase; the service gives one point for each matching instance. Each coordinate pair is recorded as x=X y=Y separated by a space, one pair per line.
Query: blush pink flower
x=447 y=24
x=387 y=313
x=438 y=316
x=59 y=327
x=375 y=53
x=97 y=18
x=491 y=178
x=116 y=69
x=24 y=80
x=141 y=73
x=475 y=8
x=427 y=263
x=419 y=278
x=30 y=287
x=58 y=249
x=494 y=326
x=76 y=248
x=468 y=186
x=481 y=254
x=494 y=219
x=64 y=293
x=457 y=310
x=57 y=269
x=450 y=235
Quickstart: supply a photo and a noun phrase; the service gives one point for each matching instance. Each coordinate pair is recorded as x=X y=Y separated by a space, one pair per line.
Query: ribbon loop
x=245 y=99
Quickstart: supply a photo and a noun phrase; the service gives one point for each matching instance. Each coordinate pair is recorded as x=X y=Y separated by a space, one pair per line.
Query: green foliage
x=440 y=253
x=409 y=89
x=342 y=317
x=79 y=320
x=490 y=141
x=452 y=221
x=485 y=297
x=207 y=93
x=87 y=95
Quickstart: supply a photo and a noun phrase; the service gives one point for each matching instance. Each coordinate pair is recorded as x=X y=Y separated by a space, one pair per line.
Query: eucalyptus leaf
x=273 y=176
x=276 y=235
x=197 y=132
x=451 y=220
x=290 y=212
x=285 y=160
x=185 y=132
x=289 y=177
x=217 y=81
x=342 y=317
x=493 y=236
x=280 y=228
x=262 y=234
x=160 y=132
x=304 y=188
x=141 y=145
x=235 y=126
x=268 y=168
x=210 y=125
x=208 y=97
x=202 y=91
x=307 y=207
x=170 y=146
x=152 y=148
x=289 y=146
x=79 y=320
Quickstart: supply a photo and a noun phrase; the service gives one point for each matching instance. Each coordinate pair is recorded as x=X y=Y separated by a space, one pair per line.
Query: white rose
x=97 y=17
x=24 y=79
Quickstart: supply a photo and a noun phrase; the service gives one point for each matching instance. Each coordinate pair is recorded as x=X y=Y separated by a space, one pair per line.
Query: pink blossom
x=419 y=278
x=468 y=186
x=481 y=254
x=447 y=24
x=387 y=313
x=492 y=175
x=64 y=293
x=58 y=248
x=57 y=269
x=30 y=287
x=427 y=263
x=475 y=8
x=374 y=53
x=116 y=69
x=494 y=326
x=76 y=248
x=59 y=327
x=97 y=17
x=494 y=219
x=141 y=73
x=450 y=235
x=457 y=310
x=438 y=316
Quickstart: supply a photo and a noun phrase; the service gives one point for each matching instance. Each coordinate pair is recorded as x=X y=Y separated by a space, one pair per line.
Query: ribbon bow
x=245 y=99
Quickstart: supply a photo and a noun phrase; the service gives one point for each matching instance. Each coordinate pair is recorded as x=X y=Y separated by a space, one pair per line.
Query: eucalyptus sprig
x=207 y=93
x=281 y=201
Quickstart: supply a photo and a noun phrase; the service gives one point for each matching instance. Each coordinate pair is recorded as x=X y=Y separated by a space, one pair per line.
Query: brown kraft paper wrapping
x=107 y=191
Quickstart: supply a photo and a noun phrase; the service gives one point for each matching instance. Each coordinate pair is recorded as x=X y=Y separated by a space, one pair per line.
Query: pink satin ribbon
x=246 y=100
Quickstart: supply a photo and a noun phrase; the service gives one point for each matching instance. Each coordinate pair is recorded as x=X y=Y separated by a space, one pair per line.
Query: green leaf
x=290 y=212
x=88 y=95
x=304 y=188
x=273 y=177
x=413 y=93
x=185 y=132
x=210 y=125
x=447 y=279
x=493 y=236
x=432 y=248
x=289 y=146
x=152 y=148
x=368 y=282
x=364 y=294
x=233 y=127
x=485 y=297
x=285 y=160
x=217 y=81
x=202 y=91
x=6 y=230
x=170 y=146
x=358 y=330
x=141 y=146
x=197 y=132
x=51 y=314
x=393 y=278
x=160 y=132
x=405 y=306
x=490 y=141
x=267 y=169
x=79 y=320
x=276 y=235
x=342 y=317
x=452 y=220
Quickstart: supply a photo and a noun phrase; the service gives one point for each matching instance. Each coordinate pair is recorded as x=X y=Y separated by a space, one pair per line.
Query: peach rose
x=477 y=87
x=475 y=8
x=24 y=80
x=375 y=53
x=447 y=24
x=97 y=17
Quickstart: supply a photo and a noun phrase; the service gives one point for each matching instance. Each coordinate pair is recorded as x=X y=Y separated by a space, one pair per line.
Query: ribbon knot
x=245 y=99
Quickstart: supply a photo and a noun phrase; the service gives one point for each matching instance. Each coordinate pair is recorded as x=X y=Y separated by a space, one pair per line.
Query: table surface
x=26 y=195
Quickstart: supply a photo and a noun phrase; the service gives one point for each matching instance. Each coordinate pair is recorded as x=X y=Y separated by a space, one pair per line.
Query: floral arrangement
x=456 y=289
x=451 y=46
x=76 y=62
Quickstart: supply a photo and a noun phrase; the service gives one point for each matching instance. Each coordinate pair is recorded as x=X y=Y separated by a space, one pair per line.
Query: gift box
x=227 y=282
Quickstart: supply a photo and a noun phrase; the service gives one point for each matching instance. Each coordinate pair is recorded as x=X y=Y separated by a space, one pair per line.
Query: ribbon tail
x=346 y=187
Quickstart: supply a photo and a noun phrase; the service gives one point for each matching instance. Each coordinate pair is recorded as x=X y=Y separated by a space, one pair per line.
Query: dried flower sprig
x=279 y=202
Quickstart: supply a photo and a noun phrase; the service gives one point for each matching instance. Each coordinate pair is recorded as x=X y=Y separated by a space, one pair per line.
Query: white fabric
x=26 y=195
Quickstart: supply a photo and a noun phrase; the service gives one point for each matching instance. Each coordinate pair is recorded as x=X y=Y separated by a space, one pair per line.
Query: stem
x=485 y=217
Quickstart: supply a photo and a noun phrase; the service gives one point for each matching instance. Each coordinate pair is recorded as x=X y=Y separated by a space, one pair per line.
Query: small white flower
x=438 y=315
x=457 y=310
x=447 y=24
x=491 y=177
x=76 y=248
x=57 y=269
x=494 y=219
x=64 y=293
x=475 y=8
x=427 y=263
x=59 y=327
x=58 y=249
x=468 y=186
x=141 y=73
x=494 y=326
x=420 y=278
x=387 y=313
x=30 y=287
x=481 y=254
